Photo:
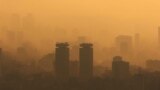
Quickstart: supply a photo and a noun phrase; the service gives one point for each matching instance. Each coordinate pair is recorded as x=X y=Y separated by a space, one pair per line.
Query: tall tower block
x=86 y=60
x=62 y=61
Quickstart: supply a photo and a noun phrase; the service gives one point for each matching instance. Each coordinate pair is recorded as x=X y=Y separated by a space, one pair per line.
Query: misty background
x=39 y=24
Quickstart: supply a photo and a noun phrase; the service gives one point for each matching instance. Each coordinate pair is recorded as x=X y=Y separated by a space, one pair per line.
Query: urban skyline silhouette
x=79 y=45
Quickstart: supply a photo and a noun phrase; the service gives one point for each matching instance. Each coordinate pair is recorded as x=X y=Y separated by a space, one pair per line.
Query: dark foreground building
x=62 y=61
x=86 y=60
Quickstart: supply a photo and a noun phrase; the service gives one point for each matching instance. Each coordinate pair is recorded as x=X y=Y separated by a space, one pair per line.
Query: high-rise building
x=153 y=65
x=86 y=60
x=62 y=61
x=124 y=44
x=120 y=68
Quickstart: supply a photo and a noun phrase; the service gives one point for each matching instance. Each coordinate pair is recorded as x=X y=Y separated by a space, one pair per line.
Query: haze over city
x=115 y=39
x=100 y=21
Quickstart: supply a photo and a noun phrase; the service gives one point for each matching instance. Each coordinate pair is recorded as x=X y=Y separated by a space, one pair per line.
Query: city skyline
x=79 y=45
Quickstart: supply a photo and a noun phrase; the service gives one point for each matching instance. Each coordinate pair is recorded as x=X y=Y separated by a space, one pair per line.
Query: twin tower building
x=62 y=61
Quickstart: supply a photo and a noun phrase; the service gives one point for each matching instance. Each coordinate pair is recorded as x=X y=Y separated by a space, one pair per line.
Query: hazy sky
x=101 y=20
x=96 y=17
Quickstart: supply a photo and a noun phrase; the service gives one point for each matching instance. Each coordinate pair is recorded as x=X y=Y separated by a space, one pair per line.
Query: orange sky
x=95 y=16
x=101 y=20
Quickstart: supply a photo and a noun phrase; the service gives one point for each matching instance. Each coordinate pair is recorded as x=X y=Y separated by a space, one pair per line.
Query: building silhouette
x=120 y=68
x=153 y=65
x=86 y=60
x=62 y=61
x=124 y=44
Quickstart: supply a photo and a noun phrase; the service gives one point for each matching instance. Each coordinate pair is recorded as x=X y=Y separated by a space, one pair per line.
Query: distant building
x=124 y=44
x=86 y=60
x=62 y=61
x=153 y=65
x=120 y=68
